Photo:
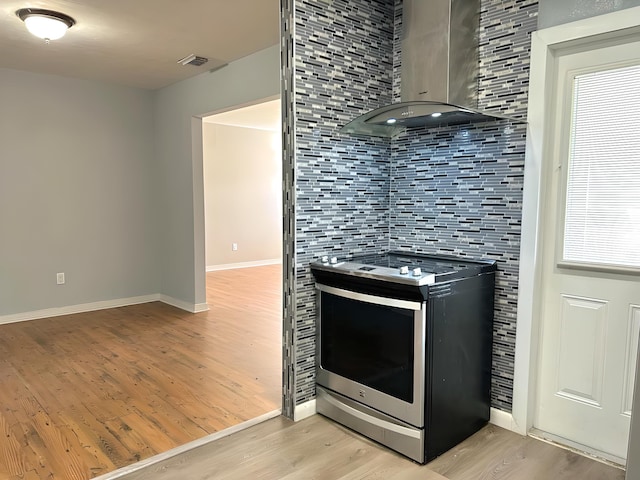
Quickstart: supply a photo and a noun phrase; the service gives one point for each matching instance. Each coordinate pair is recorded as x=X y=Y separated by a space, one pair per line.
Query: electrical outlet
x=234 y=246
x=60 y=278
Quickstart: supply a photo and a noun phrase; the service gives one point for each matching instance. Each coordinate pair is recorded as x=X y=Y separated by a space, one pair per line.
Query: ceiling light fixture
x=45 y=24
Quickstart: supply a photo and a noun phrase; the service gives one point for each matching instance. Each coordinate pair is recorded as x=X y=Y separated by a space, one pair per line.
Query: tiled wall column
x=452 y=190
x=342 y=51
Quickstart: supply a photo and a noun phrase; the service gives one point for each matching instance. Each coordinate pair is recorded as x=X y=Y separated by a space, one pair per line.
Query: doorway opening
x=242 y=177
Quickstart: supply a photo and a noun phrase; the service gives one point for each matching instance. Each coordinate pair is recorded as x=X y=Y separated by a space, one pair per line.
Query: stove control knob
x=325 y=259
x=334 y=260
x=417 y=272
x=404 y=270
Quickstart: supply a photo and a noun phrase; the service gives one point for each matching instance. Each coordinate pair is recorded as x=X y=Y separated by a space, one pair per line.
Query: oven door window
x=368 y=343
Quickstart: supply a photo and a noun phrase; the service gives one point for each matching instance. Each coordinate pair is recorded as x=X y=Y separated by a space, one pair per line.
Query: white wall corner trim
x=544 y=45
x=181 y=304
x=256 y=263
x=304 y=410
x=503 y=419
x=81 y=308
x=201 y=307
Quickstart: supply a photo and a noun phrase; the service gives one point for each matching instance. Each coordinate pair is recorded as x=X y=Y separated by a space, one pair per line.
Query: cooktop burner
x=404 y=267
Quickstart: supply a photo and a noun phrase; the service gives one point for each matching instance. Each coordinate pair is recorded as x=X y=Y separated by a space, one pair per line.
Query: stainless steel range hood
x=439 y=71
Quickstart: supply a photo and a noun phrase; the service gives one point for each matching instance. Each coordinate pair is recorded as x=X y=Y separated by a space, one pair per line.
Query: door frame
x=544 y=46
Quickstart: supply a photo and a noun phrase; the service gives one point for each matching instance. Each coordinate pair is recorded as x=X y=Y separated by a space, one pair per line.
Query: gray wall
x=181 y=206
x=97 y=181
x=557 y=12
x=77 y=192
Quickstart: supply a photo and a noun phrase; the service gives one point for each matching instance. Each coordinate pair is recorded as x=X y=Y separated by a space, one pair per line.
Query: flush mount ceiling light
x=45 y=24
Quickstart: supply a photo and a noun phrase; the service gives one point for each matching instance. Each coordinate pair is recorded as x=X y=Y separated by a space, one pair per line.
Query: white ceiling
x=138 y=42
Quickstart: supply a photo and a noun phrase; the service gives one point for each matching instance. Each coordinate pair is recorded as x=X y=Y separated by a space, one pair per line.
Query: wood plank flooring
x=317 y=448
x=85 y=394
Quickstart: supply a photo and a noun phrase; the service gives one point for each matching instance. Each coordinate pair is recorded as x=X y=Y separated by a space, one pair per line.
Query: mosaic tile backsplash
x=343 y=56
x=458 y=190
x=450 y=190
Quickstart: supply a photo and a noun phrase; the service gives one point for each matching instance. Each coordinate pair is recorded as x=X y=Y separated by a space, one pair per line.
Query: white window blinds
x=602 y=216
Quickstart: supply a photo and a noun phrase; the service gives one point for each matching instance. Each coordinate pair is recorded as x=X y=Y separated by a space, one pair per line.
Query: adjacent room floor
x=85 y=394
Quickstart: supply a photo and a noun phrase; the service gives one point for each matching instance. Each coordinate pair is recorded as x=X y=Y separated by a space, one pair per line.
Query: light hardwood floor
x=317 y=448
x=85 y=394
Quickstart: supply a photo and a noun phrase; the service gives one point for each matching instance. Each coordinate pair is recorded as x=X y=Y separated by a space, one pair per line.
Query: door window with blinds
x=602 y=196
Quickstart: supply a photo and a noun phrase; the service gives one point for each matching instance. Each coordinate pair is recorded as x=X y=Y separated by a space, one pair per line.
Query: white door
x=591 y=250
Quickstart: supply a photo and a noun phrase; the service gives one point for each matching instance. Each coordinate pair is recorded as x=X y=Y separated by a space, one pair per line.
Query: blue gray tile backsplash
x=453 y=190
x=343 y=60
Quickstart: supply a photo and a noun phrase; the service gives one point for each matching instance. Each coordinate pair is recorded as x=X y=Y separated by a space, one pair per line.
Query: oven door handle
x=376 y=300
x=378 y=422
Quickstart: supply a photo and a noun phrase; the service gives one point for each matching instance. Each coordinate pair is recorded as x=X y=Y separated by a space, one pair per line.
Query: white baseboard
x=300 y=412
x=503 y=419
x=125 y=471
x=257 y=263
x=200 y=307
x=81 y=308
x=189 y=307
x=102 y=305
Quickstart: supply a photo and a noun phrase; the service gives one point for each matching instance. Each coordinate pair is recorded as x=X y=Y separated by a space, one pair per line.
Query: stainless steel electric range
x=403 y=348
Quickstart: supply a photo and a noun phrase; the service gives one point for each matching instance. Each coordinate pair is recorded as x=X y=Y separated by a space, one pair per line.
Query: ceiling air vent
x=193 y=60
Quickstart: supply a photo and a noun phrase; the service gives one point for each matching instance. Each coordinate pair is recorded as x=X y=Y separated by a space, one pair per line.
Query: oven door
x=372 y=349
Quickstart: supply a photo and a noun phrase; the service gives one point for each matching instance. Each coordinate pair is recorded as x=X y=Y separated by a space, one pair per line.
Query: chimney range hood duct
x=439 y=71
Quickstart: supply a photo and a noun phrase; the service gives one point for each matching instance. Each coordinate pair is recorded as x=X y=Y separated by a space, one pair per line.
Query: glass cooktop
x=404 y=267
